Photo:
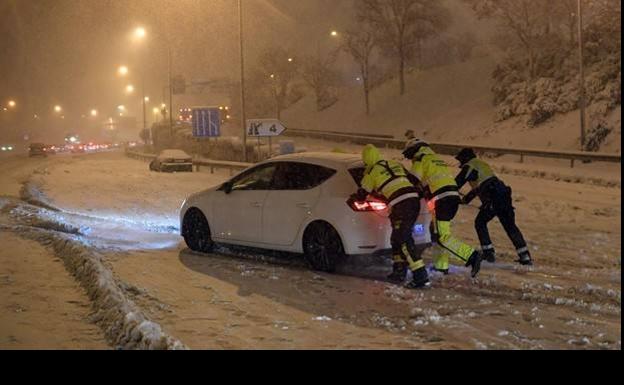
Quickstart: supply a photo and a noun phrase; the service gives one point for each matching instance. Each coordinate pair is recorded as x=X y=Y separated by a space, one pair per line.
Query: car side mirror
x=227 y=187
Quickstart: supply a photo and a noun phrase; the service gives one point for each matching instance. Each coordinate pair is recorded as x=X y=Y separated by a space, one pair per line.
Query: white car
x=295 y=203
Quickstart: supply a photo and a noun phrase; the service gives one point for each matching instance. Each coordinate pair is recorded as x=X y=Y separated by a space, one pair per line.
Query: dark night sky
x=67 y=51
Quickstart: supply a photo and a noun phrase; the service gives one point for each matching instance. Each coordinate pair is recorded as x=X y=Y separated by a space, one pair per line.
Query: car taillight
x=362 y=206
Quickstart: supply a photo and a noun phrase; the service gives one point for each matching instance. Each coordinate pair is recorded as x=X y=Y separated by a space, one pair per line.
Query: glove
x=466 y=199
x=360 y=195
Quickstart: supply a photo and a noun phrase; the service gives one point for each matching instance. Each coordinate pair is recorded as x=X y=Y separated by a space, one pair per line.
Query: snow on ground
x=42 y=306
x=112 y=187
x=570 y=299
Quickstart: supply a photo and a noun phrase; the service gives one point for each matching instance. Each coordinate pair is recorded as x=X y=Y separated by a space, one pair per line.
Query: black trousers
x=403 y=217
x=497 y=202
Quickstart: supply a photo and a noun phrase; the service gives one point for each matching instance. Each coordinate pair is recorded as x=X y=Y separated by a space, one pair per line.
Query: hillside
x=450 y=104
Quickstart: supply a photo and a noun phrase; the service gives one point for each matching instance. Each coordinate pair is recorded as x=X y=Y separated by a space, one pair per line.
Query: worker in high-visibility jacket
x=388 y=180
x=444 y=200
x=496 y=201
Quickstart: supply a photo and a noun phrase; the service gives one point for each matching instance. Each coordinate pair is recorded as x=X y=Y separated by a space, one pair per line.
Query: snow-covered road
x=231 y=299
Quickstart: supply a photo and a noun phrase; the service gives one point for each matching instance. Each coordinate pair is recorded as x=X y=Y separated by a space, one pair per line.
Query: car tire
x=322 y=247
x=196 y=231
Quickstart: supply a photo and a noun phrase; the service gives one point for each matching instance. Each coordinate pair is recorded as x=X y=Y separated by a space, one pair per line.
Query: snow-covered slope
x=451 y=104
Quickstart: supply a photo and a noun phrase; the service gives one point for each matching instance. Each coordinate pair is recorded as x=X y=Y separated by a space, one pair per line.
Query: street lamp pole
x=582 y=100
x=170 y=91
x=143 y=100
x=242 y=76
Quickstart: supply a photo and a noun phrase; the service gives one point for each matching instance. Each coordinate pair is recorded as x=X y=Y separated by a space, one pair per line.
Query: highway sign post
x=265 y=128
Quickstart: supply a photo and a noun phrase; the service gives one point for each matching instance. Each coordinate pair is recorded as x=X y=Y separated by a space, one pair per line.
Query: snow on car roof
x=176 y=154
x=330 y=159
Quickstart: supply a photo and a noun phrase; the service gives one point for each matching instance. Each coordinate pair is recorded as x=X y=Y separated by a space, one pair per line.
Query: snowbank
x=123 y=323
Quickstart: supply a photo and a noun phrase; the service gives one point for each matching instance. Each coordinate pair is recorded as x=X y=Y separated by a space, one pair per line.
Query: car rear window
x=357 y=173
x=300 y=176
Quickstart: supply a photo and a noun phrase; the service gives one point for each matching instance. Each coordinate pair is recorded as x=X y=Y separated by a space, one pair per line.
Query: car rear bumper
x=177 y=167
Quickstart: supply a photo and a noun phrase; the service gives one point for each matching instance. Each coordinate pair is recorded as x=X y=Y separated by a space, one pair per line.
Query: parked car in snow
x=296 y=203
x=172 y=161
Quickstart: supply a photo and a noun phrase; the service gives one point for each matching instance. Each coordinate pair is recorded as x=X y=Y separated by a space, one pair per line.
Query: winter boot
x=525 y=259
x=399 y=272
x=475 y=262
x=489 y=256
x=420 y=280
x=443 y=271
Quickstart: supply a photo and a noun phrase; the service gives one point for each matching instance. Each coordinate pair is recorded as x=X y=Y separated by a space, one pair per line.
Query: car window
x=259 y=178
x=358 y=174
x=300 y=176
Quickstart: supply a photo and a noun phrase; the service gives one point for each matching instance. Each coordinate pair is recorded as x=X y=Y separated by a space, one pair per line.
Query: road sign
x=264 y=127
x=206 y=122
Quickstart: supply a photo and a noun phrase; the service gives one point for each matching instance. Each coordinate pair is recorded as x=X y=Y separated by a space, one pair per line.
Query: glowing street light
x=12 y=103
x=94 y=113
x=156 y=110
x=147 y=99
x=121 y=108
x=123 y=71
x=290 y=60
x=58 y=108
x=334 y=33
x=140 y=33
x=130 y=88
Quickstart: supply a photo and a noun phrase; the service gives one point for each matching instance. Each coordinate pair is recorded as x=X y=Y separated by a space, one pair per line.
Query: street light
x=147 y=99
x=12 y=103
x=121 y=108
x=123 y=70
x=334 y=33
x=94 y=113
x=58 y=108
x=140 y=33
x=129 y=89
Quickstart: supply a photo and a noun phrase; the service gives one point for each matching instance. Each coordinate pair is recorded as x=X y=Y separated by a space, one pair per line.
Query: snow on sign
x=206 y=122
x=264 y=127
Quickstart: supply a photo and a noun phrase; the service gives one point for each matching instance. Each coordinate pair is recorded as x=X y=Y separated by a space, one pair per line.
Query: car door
x=238 y=214
x=296 y=191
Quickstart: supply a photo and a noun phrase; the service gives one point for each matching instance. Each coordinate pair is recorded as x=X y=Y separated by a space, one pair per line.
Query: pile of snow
x=123 y=323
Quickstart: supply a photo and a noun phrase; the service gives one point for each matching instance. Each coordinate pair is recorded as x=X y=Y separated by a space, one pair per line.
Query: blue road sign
x=206 y=122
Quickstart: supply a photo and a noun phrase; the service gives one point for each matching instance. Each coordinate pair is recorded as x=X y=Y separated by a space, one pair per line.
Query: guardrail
x=453 y=149
x=198 y=163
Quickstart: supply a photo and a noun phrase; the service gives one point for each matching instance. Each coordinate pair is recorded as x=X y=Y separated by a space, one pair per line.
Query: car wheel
x=196 y=231
x=322 y=247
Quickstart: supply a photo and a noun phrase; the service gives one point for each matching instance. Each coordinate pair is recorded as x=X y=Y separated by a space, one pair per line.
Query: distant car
x=172 y=161
x=7 y=148
x=37 y=149
x=50 y=150
x=77 y=149
x=296 y=203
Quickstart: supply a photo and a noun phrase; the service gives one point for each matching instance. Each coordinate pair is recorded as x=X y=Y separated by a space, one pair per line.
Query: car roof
x=327 y=159
x=174 y=154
